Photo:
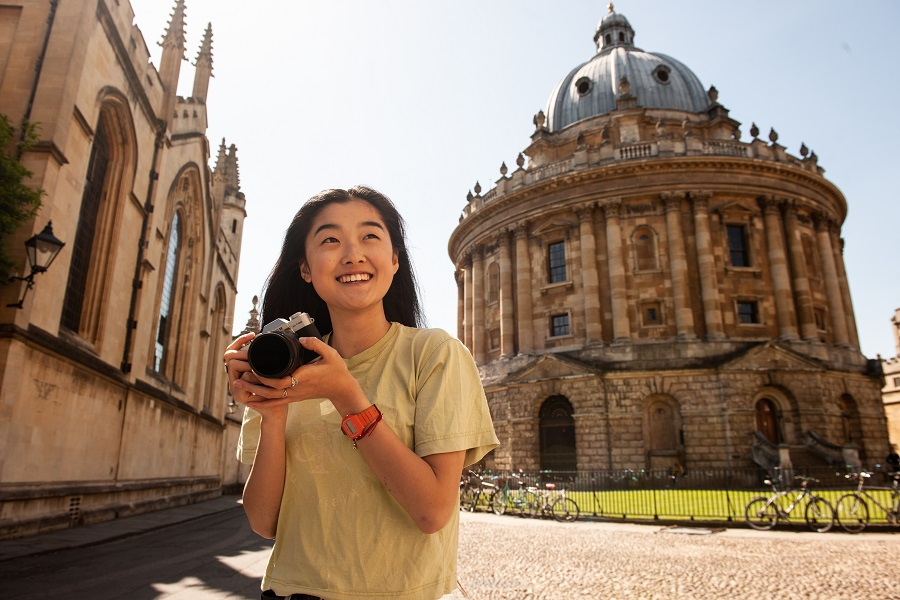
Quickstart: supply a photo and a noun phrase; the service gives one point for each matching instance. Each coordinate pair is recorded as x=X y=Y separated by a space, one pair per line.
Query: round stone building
x=650 y=289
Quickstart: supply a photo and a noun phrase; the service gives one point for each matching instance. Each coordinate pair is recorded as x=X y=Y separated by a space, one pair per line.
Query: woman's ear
x=395 y=262
x=304 y=272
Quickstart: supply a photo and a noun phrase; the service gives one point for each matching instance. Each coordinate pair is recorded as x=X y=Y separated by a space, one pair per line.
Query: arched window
x=82 y=249
x=644 y=241
x=767 y=420
x=557 y=427
x=493 y=283
x=108 y=181
x=662 y=432
x=809 y=255
x=164 y=326
x=850 y=427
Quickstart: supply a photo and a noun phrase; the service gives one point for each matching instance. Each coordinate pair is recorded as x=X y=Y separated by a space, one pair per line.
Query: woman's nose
x=353 y=254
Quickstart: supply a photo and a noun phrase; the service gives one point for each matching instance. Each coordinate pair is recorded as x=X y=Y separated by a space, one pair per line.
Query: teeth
x=355 y=277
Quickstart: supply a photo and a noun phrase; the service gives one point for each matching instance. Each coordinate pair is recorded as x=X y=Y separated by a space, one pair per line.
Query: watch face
x=350 y=427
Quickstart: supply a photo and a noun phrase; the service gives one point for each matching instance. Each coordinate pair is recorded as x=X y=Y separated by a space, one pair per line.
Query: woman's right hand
x=237 y=366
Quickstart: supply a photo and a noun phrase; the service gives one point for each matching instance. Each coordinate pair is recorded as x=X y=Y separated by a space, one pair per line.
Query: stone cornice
x=720 y=168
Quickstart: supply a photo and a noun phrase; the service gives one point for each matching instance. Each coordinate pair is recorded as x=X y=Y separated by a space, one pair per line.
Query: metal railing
x=673 y=495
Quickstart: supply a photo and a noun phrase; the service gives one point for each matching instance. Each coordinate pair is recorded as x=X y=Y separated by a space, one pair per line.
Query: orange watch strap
x=355 y=426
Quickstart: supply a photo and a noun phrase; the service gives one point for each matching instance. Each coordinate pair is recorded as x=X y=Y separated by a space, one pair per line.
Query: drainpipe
x=137 y=283
x=37 y=76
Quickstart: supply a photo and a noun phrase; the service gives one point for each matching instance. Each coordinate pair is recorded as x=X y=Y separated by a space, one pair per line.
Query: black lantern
x=232 y=407
x=41 y=250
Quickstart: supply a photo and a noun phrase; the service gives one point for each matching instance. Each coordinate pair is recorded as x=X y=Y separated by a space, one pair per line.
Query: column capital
x=672 y=200
x=611 y=207
x=520 y=230
x=822 y=221
x=585 y=212
x=770 y=204
x=700 y=200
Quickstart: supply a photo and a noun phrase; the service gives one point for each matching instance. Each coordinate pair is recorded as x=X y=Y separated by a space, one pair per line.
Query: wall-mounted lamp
x=232 y=407
x=41 y=249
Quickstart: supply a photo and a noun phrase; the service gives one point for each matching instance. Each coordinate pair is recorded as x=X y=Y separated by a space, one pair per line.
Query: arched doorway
x=767 y=421
x=557 y=427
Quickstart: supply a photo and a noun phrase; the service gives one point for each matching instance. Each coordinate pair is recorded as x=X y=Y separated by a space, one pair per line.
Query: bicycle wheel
x=531 y=505
x=467 y=500
x=819 y=514
x=498 y=503
x=564 y=509
x=761 y=514
x=852 y=512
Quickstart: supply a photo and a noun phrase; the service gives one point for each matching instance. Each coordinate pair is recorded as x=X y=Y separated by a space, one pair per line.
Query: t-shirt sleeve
x=451 y=409
x=249 y=438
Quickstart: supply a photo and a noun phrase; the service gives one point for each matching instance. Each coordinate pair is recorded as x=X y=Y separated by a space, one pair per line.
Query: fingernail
x=239 y=385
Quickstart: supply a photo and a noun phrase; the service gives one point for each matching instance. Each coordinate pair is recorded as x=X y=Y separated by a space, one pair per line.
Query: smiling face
x=350 y=259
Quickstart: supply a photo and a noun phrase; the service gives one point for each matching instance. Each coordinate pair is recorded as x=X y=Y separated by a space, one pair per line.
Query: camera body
x=276 y=351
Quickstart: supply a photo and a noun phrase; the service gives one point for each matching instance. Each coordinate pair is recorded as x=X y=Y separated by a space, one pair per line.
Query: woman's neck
x=352 y=334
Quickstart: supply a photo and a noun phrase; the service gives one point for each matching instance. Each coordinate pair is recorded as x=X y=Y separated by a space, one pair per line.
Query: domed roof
x=655 y=80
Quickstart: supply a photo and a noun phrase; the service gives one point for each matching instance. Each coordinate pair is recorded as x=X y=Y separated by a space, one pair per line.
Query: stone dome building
x=651 y=289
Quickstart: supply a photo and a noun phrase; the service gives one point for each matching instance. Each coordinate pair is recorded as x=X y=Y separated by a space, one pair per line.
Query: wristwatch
x=357 y=426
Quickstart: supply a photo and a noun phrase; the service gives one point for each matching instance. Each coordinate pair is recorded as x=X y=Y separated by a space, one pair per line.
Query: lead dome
x=618 y=69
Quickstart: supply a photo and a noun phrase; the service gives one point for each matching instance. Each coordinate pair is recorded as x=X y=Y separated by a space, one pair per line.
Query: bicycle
x=764 y=513
x=515 y=496
x=556 y=504
x=472 y=489
x=852 y=510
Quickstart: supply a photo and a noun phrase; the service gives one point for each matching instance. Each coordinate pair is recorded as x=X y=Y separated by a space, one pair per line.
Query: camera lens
x=273 y=355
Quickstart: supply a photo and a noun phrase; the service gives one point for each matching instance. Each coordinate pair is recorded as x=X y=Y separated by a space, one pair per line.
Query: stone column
x=852 y=332
x=778 y=269
x=507 y=302
x=524 y=308
x=618 y=293
x=706 y=261
x=478 y=341
x=681 y=292
x=802 y=292
x=467 y=339
x=460 y=277
x=590 y=281
x=832 y=285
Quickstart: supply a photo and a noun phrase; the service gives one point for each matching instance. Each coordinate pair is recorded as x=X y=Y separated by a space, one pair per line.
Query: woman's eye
x=373 y=236
x=329 y=240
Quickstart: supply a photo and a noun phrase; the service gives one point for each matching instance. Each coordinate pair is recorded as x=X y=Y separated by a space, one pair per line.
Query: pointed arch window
x=557 y=427
x=164 y=325
x=82 y=249
x=96 y=247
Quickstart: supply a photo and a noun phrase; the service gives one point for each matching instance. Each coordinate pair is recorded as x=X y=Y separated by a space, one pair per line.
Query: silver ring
x=293 y=381
x=284 y=393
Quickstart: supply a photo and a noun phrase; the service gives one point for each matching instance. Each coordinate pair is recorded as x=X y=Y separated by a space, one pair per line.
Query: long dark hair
x=285 y=291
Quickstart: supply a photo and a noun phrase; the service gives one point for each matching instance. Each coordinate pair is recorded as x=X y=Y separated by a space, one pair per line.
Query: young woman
x=357 y=457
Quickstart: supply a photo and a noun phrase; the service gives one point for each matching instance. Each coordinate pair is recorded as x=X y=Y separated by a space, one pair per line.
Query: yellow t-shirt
x=340 y=534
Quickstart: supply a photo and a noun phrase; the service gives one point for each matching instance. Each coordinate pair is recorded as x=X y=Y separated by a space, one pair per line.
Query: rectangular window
x=556 y=262
x=559 y=325
x=651 y=314
x=748 y=312
x=738 y=247
x=494 y=338
x=896 y=381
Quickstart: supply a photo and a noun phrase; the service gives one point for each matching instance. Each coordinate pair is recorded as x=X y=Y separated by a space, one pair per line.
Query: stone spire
x=170 y=62
x=203 y=66
x=226 y=169
x=253 y=322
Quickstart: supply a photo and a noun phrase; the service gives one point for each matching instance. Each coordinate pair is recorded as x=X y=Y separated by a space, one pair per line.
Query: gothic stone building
x=112 y=396
x=651 y=289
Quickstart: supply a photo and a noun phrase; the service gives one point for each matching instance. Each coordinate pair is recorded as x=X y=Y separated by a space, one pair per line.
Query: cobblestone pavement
x=511 y=558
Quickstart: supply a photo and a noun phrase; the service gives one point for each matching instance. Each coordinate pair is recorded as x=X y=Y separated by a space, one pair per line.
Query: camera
x=277 y=352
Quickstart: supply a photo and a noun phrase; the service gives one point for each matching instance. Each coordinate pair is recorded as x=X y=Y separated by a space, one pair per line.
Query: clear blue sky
x=421 y=99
